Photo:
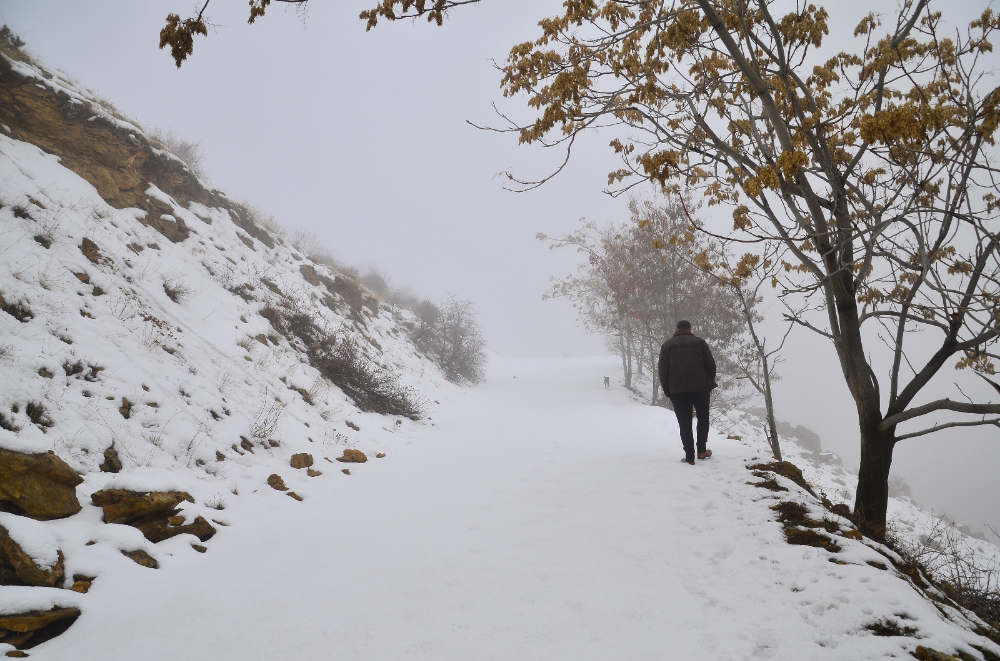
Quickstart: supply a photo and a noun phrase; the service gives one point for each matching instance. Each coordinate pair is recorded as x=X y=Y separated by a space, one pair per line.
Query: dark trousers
x=684 y=403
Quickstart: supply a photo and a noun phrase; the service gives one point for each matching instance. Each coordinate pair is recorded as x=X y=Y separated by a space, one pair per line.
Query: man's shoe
x=685 y=460
x=705 y=455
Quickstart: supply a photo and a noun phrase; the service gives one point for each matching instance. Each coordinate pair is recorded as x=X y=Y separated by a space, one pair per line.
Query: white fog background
x=362 y=138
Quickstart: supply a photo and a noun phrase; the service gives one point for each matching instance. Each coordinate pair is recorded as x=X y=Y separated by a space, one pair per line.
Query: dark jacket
x=686 y=364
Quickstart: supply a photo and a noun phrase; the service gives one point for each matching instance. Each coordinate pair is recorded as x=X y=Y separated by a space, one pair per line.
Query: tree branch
x=939 y=405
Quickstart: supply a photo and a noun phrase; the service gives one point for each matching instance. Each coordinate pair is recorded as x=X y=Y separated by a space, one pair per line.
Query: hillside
x=157 y=340
x=212 y=447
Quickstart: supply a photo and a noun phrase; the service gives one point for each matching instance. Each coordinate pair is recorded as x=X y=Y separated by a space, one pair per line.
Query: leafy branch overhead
x=179 y=33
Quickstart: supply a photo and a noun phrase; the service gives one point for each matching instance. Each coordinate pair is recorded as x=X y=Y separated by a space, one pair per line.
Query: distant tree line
x=639 y=278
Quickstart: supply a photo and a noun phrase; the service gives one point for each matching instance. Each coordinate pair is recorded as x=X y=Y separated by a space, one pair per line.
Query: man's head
x=684 y=325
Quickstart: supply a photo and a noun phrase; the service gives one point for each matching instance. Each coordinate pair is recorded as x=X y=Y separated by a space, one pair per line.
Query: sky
x=363 y=138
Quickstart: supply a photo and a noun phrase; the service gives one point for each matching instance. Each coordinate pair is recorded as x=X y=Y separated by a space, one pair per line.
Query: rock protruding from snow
x=301 y=460
x=353 y=457
x=112 y=462
x=154 y=513
x=29 y=552
x=124 y=506
x=41 y=486
x=34 y=627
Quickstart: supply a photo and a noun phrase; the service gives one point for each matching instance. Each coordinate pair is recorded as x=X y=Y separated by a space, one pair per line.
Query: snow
x=34 y=538
x=541 y=517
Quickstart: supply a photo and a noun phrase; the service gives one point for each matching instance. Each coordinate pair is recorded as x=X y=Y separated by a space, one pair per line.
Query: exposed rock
x=294 y=495
x=275 y=481
x=302 y=460
x=927 y=654
x=25 y=630
x=219 y=456
x=119 y=163
x=309 y=273
x=380 y=455
x=16 y=654
x=154 y=513
x=311 y=473
x=112 y=462
x=353 y=457
x=90 y=250
x=246 y=444
x=158 y=528
x=273 y=443
x=16 y=566
x=81 y=586
x=83 y=277
x=140 y=557
x=126 y=408
x=345 y=471
x=124 y=506
x=41 y=486
x=199 y=548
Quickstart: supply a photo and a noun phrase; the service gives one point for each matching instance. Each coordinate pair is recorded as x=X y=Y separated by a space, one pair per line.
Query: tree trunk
x=872 y=498
x=772 y=428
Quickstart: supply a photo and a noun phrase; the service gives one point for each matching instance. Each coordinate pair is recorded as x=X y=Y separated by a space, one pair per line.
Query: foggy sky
x=362 y=138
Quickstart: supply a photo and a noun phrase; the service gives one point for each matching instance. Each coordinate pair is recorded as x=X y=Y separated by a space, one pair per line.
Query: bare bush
x=176 y=290
x=186 y=150
x=265 y=422
x=959 y=570
x=372 y=387
x=216 y=502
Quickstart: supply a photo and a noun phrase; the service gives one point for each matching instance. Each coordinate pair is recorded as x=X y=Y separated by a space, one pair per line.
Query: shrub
x=372 y=387
x=176 y=290
x=188 y=151
x=38 y=415
x=16 y=309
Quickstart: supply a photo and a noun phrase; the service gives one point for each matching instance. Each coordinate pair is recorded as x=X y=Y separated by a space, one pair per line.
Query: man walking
x=687 y=375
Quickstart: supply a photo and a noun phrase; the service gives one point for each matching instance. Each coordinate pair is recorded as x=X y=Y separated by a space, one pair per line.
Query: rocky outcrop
x=275 y=482
x=353 y=457
x=154 y=513
x=41 y=486
x=118 y=160
x=301 y=460
x=19 y=567
x=25 y=630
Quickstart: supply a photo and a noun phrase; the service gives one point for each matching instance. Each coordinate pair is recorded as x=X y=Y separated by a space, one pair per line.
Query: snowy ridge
x=114 y=335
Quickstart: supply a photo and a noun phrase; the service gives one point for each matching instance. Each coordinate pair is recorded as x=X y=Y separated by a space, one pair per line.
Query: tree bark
x=872 y=498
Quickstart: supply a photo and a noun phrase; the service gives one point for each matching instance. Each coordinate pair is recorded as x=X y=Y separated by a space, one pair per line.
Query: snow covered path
x=542 y=517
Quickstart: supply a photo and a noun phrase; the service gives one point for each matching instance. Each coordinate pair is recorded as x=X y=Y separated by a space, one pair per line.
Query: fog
x=363 y=138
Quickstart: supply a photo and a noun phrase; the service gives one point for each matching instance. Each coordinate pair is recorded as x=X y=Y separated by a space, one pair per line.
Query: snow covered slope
x=164 y=328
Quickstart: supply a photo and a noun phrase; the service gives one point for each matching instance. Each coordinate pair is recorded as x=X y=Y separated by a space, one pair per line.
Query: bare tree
x=634 y=286
x=461 y=349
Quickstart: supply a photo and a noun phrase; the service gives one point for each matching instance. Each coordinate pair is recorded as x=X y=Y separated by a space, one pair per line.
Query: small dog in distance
x=607 y=382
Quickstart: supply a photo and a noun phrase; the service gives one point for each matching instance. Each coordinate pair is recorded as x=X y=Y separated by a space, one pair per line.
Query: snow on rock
x=34 y=538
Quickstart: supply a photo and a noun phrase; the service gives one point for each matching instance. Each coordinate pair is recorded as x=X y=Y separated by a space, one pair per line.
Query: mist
x=364 y=139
